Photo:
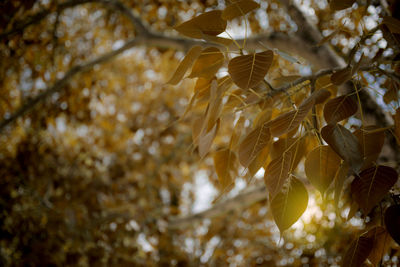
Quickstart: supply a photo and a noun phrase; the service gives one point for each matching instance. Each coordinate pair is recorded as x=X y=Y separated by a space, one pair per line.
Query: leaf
x=288 y=206
x=249 y=70
x=321 y=166
x=290 y=120
x=339 y=108
x=320 y=96
x=259 y=161
x=340 y=4
x=397 y=125
x=345 y=144
x=392 y=222
x=371 y=139
x=341 y=76
x=369 y=188
x=206 y=138
x=238 y=9
x=358 y=251
x=324 y=82
x=209 y=23
x=277 y=173
x=392 y=23
x=340 y=177
x=208 y=63
x=381 y=241
x=185 y=64
x=296 y=146
x=225 y=166
x=252 y=144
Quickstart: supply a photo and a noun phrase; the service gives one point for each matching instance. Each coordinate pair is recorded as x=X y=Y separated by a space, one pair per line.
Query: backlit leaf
x=289 y=204
x=345 y=144
x=185 y=64
x=209 y=23
x=392 y=23
x=369 y=188
x=358 y=251
x=392 y=222
x=382 y=243
x=340 y=4
x=277 y=173
x=296 y=146
x=249 y=70
x=238 y=9
x=371 y=139
x=225 y=166
x=339 y=108
x=321 y=166
x=252 y=144
x=340 y=178
x=208 y=63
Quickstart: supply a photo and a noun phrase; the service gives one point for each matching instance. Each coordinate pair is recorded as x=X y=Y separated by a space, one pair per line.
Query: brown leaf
x=345 y=144
x=277 y=173
x=209 y=23
x=358 y=251
x=208 y=63
x=185 y=64
x=341 y=76
x=392 y=23
x=225 y=166
x=238 y=9
x=321 y=166
x=324 y=82
x=339 y=108
x=392 y=222
x=289 y=204
x=340 y=178
x=369 y=188
x=249 y=70
x=340 y=4
x=397 y=125
x=371 y=139
x=252 y=144
x=382 y=242
x=206 y=138
x=259 y=161
x=290 y=120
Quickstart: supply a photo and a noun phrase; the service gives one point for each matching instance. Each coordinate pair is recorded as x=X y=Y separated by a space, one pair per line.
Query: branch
x=237 y=203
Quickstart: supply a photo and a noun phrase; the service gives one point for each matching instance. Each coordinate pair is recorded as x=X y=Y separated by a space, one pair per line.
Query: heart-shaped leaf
x=208 y=63
x=249 y=70
x=185 y=64
x=392 y=222
x=289 y=204
x=371 y=139
x=238 y=9
x=252 y=144
x=345 y=144
x=372 y=185
x=358 y=251
x=321 y=166
x=339 y=108
x=277 y=173
x=225 y=166
x=209 y=23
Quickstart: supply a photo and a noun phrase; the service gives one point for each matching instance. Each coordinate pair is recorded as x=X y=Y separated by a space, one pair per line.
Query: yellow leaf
x=208 y=63
x=185 y=64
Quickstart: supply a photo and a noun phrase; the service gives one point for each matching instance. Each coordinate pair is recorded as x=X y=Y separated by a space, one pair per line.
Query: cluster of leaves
x=279 y=137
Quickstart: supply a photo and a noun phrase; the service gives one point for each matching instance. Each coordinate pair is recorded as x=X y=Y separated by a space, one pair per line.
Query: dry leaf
x=238 y=9
x=249 y=70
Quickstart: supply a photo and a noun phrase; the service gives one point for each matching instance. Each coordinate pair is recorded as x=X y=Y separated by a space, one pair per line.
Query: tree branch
x=237 y=203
